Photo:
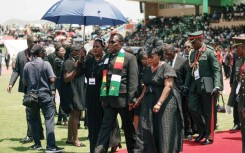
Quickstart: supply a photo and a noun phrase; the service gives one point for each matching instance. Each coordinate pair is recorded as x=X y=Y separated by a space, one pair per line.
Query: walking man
x=203 y=81
x=119 y=85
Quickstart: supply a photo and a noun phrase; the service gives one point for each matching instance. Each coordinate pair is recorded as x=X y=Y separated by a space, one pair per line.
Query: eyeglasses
x=102 y=40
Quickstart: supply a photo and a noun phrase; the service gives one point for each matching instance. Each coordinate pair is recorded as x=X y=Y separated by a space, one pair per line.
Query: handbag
x=221 y=109
x=31 y=98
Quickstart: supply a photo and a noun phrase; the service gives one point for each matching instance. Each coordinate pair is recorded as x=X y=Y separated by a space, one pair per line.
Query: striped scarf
x=115 y=78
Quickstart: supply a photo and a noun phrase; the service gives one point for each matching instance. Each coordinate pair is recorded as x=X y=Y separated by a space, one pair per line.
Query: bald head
x=169 y=52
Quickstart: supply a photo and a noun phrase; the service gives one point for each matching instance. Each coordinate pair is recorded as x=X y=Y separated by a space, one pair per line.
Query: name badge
x=91 y=81
x=238 y=87
x=106 y=61
x=196 y=74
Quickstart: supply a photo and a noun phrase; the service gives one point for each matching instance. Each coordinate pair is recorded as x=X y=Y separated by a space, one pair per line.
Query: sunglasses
x=113 y=42
x=187 y=47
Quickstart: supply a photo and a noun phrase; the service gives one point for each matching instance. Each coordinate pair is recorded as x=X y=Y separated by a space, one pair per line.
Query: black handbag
x=31 y=98
x=221 y=109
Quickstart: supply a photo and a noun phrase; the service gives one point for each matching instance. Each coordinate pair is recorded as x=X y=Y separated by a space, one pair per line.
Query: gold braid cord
x=192 y=65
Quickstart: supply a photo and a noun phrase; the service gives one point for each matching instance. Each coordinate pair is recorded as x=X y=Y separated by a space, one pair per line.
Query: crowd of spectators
x=175 y=29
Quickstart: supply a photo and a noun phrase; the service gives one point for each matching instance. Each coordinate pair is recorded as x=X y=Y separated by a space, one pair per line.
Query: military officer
x=203 y=81
x=239 y=84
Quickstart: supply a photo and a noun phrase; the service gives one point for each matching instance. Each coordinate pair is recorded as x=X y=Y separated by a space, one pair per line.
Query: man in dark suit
x=22 y=58
x=204 y=82
x=119 y=85
x=179 y=63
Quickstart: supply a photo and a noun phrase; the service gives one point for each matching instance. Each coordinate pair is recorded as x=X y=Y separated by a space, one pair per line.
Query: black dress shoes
x=27 y=140
x=235 y=127
x=200 y=137
x=207 y=141
x=114 y=149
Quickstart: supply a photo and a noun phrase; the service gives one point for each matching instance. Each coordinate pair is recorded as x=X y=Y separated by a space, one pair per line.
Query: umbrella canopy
x=84 y=12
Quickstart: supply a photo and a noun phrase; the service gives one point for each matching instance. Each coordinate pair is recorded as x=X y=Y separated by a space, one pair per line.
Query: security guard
x=203 y=81
x=239 y=44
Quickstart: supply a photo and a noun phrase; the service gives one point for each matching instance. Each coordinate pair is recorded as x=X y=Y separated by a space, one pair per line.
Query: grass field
x=13 y=124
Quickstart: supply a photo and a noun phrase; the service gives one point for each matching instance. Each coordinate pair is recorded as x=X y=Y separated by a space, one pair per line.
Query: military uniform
x=202 y=64
x=239 y=84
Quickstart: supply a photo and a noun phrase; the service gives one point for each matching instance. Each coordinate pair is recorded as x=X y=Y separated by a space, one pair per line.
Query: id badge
x=196 y=74
x=238 y=87
x=106 y=61
x=91 y=81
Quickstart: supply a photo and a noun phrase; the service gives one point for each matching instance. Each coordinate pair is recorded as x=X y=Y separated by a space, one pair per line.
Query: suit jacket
x=208 y=67
x=21 y=60
x=241 y=92
x=180 y=67
x=129 y=82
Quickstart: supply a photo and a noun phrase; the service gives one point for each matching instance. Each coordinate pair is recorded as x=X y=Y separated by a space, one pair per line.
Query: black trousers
x=48 y=110
x=62 y=114
x=227 y=71
x=108 y=125
x=29 y=129
x=187 y=117
x=200 y=107
x=236 y=114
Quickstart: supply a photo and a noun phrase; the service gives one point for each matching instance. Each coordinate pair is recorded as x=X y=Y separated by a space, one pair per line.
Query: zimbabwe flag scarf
x=116 y=75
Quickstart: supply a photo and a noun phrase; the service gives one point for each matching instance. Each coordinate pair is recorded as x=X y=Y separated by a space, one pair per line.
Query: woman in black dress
x=74 y=94
x=58 y=65
x=161 y=125
x=93 y=72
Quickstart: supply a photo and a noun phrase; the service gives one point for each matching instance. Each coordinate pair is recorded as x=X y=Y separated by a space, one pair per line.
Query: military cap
x=193 y=36
x=239 y=40
x=76 y=47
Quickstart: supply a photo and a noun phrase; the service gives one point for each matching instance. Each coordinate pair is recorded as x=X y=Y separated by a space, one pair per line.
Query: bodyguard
x=239 y=84
x=22 y=58
x=38 y=76
x=203 y=81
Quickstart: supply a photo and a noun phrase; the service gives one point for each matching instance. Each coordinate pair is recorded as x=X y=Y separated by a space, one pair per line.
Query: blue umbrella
x=84 y=12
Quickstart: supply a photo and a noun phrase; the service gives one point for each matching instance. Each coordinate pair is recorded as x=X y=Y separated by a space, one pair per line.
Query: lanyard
x=196 y=58
x=27 y=55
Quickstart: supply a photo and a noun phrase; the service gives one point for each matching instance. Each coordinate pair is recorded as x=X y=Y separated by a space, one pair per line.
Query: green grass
x=13 y=124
